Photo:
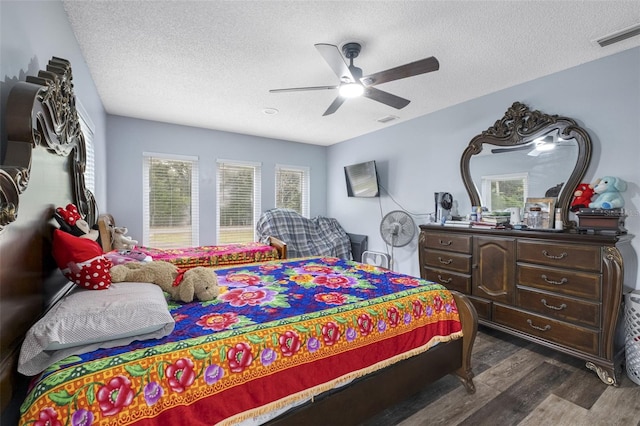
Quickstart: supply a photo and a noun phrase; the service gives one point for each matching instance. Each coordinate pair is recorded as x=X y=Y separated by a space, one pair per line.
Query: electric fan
x=397 y=230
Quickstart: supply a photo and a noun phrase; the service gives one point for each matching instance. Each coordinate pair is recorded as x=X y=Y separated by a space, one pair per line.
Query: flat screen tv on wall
x=362 y=179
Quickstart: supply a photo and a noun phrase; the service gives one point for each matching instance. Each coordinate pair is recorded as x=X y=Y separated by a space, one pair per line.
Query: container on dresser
x=562 y=290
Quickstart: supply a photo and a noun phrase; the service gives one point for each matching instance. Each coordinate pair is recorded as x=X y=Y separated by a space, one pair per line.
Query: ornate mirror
x=548 y=154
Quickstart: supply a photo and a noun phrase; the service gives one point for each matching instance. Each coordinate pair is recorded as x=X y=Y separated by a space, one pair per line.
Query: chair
x=320 y=236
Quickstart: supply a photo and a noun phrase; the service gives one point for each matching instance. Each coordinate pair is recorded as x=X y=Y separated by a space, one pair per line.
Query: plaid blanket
x=320 y=236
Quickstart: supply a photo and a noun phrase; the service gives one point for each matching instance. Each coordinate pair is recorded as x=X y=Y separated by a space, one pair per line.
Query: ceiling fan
x=353 y=83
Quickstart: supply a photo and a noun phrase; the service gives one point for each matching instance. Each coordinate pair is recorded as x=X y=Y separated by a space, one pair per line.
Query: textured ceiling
x=211 y=64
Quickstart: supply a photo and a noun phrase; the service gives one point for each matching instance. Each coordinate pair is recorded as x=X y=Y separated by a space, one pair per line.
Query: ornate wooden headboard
x=42 y=168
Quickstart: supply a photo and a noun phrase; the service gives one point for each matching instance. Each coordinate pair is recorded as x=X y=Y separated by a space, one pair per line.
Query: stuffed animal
x=199 y=282
x=121 y=241
x=71 y=222
x=582 y=197
x=608 y=195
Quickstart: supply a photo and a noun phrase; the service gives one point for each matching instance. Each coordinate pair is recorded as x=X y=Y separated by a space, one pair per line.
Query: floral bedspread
x=283 y=331
x=221 y=255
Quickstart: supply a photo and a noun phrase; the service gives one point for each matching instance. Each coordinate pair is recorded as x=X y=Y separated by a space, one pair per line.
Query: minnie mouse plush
x=71 y=222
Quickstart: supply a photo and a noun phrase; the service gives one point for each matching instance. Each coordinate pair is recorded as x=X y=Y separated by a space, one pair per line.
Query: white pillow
x=87 y=320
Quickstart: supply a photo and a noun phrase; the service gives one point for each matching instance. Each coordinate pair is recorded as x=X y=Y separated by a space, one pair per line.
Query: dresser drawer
x=563 y=308
x=450 y=261
x=581 y=257
x=449 y=242
x=574 y=283
x=562 y=333
x=483 y=307
x=451 y=280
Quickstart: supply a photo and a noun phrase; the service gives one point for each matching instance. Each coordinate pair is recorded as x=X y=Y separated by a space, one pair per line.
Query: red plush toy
x=582 y=197
x=81 y=261
x=70 y=221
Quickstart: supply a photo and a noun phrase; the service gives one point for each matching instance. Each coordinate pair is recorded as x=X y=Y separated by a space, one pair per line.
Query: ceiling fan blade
x=386 y=98
x=299 y=89
x=403 y=71
x=334 y=105
x=333 y=57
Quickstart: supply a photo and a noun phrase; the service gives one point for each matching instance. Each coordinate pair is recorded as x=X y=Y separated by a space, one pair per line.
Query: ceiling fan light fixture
x=351 y=90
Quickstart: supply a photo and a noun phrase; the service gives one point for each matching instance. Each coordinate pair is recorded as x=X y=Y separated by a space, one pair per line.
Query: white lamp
x=351 y=90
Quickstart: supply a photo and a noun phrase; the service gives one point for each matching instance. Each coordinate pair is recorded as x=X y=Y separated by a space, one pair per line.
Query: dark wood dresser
x=562 y=290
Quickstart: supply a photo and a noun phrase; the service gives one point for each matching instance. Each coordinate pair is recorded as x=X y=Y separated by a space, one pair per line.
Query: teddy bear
x=582 y=197
x=607 y=192
x=198 y=282
x=121 y=241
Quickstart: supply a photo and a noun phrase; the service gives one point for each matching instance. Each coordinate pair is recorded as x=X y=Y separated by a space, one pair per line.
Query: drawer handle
x=445 y=243
x=444 y=262
x=562 y=281
x=545 y=328
x=557 y=308
x=550 y=256
x=445 y=281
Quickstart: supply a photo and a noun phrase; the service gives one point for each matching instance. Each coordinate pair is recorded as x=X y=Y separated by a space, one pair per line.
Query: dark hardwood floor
x=519 y=383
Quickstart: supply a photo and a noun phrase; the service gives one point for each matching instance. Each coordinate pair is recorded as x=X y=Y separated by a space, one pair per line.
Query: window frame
x=256 y=193
x=88 y=131
x=305 y=192
x=195 y=197
x=487 y=180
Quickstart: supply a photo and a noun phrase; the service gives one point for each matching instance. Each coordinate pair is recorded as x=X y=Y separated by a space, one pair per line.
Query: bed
x=191 y=257
x=367 y=350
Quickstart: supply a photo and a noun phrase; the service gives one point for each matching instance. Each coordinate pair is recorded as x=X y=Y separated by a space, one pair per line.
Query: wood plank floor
x=519 y=383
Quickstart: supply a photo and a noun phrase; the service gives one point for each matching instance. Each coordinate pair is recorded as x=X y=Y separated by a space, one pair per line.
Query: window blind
x=238 y=201
x=170 y=201
x=292 y=188
x=87 y=129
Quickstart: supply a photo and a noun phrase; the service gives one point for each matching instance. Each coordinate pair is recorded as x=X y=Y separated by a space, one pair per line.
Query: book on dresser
x=496 y=218
x=481 y=224
x=458 y=223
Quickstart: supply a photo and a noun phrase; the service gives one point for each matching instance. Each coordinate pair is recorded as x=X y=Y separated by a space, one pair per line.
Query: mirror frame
x=520 y=126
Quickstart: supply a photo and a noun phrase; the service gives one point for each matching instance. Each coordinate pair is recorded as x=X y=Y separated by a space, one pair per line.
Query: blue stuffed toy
x=607 y=191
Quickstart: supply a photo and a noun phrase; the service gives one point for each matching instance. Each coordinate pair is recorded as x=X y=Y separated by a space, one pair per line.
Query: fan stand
x=394 y=235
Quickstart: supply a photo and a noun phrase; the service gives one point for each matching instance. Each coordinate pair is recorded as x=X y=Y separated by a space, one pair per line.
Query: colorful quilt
x=283 y=331
x=222 y=255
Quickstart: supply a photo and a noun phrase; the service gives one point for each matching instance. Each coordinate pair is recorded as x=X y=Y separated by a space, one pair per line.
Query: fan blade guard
x=397 y=228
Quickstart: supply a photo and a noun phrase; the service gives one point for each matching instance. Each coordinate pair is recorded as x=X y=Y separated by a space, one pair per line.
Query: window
x=503 y=191
x=238 y=195
x=292 y=188
x=87 y=126
x=170 y=201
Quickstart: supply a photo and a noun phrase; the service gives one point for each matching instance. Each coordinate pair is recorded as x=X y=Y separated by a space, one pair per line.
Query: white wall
x=129 y=138
x=31 y=33
x=422 y=156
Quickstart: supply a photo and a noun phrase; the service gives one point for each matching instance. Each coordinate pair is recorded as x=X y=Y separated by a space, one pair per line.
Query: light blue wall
x=129 y=138
x=422 y=156
x=31 y=33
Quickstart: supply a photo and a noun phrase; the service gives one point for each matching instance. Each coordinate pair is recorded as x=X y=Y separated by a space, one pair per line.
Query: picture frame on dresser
x=547 y=207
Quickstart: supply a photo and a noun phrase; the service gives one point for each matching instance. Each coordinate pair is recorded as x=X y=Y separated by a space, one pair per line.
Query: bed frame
x=106 y=222
x=43 y=167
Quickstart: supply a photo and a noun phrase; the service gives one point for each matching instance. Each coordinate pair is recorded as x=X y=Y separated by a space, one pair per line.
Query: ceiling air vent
x=386 y=119
x=624 y=34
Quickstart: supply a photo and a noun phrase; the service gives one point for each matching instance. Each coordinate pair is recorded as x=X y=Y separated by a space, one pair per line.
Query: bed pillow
x=81 y=261
x=88 y=320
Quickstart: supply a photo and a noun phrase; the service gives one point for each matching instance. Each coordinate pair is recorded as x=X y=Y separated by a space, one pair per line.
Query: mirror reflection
x=526 y=155
x=505 y=176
